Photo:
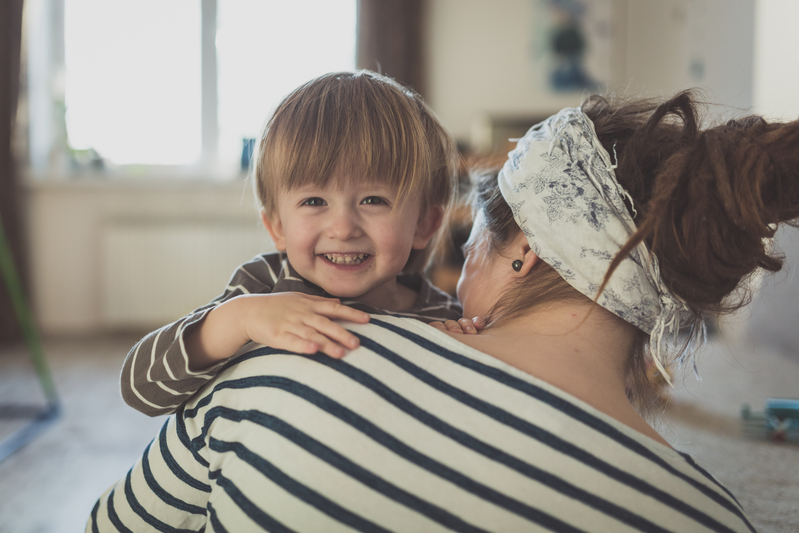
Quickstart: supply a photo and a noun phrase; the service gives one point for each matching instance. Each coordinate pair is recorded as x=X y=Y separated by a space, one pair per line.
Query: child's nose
x=344 y=225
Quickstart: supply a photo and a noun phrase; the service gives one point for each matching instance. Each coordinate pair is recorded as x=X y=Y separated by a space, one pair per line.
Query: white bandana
x=559 y=183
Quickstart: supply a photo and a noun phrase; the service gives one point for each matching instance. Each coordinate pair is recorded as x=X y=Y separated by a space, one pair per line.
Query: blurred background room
x=126 y=130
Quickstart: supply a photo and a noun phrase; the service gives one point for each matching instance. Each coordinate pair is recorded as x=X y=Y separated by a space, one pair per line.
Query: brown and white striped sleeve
x=155 y=377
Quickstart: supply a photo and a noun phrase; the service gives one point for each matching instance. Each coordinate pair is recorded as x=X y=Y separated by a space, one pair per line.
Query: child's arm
x=155 y=377
x=169 y=365
x=291 y=321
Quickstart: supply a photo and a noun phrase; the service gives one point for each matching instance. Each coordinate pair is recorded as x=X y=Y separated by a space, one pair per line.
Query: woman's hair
x=346 y=127
x=707 y=202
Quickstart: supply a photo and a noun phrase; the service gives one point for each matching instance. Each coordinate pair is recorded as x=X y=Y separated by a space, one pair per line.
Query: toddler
x=353 y=174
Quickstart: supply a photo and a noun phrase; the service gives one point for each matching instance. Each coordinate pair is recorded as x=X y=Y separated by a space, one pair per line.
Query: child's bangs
x=363 y=158
x=378 y=138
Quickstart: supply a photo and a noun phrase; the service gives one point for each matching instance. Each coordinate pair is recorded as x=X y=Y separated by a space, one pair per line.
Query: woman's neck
x=578 y=348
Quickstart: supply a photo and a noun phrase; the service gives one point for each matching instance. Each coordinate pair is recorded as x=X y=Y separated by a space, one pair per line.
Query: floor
x=50 y=485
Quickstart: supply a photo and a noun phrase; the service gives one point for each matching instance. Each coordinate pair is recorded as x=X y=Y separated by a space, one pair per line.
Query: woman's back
x=413 y=431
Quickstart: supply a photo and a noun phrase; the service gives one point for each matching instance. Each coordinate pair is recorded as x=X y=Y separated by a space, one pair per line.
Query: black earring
x=517 y=265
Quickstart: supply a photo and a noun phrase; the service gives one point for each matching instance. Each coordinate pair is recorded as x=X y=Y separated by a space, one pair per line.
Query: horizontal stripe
x=214 y=519
x=392 y=471
x=192 y=445
x=296 y=488
x=345 y=465
x=386 y=440
x=173 y=465
x=95 y=509
x=505 y=418
x=137 y=508
x=258 y=515
x=161 y=493
x=567 y=408
x=112 y=514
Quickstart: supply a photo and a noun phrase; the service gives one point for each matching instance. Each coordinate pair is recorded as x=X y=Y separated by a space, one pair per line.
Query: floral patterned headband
x=561 y=186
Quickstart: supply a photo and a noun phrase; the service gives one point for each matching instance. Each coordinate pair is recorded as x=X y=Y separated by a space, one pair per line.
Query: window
x=179 y=86
x=268 y=48
x=132 y=80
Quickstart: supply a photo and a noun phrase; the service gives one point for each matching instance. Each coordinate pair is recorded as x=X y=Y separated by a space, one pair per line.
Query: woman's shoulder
x=412 y=399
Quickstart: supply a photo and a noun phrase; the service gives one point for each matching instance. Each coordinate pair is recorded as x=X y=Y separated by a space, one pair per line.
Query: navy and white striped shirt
x=413 y=431
x=156 y=378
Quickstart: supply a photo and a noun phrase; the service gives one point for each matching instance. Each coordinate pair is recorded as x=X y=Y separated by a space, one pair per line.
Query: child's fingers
x=335 y=310
x=297 y=343
x=462 y=325
x=321 y=342
x=453 y=326
x=467 y=326
x=479 y=322
x=333 y=331
x=329 y=347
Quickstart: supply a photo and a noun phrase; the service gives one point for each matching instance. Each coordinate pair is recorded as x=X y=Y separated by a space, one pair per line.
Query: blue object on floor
x=779 y=421
x=40 y=417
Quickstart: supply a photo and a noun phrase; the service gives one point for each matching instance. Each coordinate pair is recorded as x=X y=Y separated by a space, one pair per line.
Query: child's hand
x=462 y=325
x=301 y=323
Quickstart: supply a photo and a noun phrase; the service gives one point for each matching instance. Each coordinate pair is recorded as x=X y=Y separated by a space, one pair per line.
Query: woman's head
x=703 y=202
x=347 y=128
x=708 y=200
x=492 y=246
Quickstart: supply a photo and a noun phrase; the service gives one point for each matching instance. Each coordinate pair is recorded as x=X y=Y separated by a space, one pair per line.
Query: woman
x=526 y=426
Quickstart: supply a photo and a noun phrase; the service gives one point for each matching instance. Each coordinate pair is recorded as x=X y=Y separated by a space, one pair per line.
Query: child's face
x=350 y=241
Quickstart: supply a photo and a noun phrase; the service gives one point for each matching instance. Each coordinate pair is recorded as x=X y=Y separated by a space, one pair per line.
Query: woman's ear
x=521 y=247
x=275 y=229
x=427 y=226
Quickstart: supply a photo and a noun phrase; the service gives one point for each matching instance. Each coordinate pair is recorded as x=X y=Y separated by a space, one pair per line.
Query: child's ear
x=428 y=225
x=275 y=229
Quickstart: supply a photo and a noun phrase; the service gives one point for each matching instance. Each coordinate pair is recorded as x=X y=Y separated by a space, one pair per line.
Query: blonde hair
x=344 y=127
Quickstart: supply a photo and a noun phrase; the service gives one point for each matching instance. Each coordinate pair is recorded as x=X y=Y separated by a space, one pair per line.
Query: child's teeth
x=347 y=259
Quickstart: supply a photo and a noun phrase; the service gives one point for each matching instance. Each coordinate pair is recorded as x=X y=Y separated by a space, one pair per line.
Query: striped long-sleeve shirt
x=413 y=431
x=156 y=378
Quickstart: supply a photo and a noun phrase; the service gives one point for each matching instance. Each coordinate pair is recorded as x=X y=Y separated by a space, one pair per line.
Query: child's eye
x=313 y=202
x=373 y=200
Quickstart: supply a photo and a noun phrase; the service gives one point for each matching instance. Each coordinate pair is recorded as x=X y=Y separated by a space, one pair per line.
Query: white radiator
x=155 y=272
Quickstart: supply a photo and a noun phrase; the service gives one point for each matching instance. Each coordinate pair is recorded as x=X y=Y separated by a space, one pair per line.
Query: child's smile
x=347 y=259
x=351 y=241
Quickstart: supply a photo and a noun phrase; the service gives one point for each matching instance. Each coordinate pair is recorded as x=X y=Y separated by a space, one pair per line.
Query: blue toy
x=779 y=421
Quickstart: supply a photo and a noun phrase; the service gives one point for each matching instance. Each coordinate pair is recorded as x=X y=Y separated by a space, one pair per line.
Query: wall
x=481 y=63
x=679 y=44
x=776 y=78
x=66 y=221
x=483 y=58
x=772 y=320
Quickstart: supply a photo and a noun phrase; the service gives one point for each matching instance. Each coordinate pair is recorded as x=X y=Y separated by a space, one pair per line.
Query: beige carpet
x=50 y=485
x=704 y=420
